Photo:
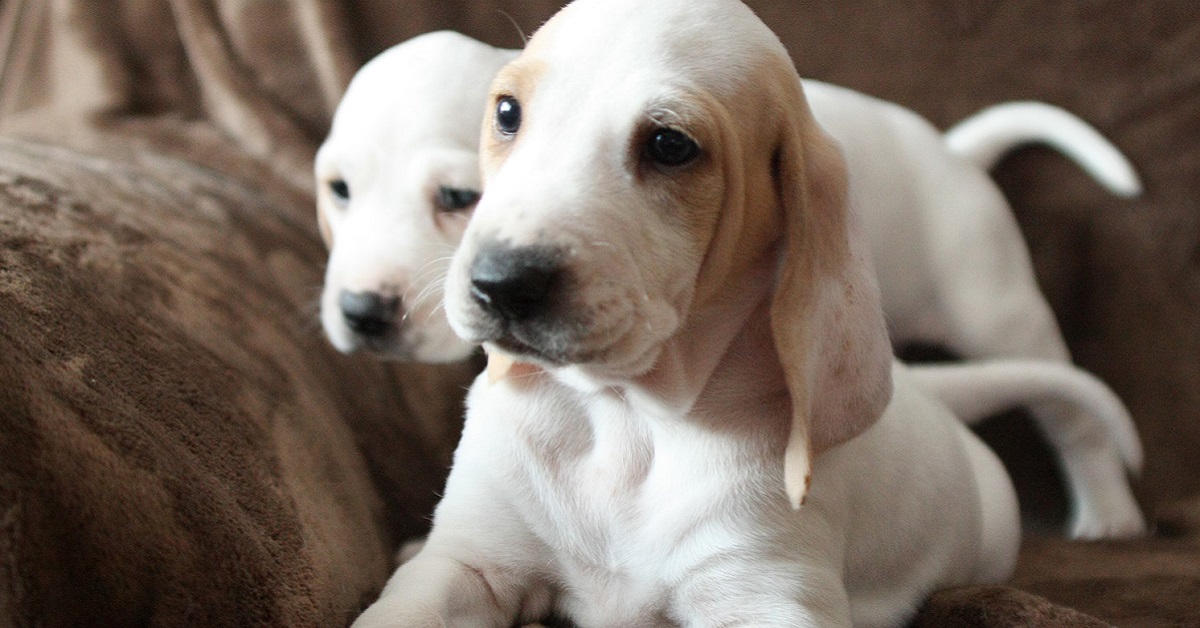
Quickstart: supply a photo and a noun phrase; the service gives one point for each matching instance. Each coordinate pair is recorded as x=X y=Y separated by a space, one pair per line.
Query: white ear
x=826 y=317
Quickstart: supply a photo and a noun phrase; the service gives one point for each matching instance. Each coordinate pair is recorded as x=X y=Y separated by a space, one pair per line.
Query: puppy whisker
x=434 y=287
x=437 y=265
x=439 y=306
x=513 y=21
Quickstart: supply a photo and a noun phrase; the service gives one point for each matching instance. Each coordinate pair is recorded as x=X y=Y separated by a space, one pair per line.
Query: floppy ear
x=826 y=317
x=323 y=227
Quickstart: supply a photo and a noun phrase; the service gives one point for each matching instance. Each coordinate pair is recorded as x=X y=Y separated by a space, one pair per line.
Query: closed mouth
x=558 y=342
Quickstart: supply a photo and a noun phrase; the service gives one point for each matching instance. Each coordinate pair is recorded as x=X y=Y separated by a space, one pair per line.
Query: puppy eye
x=508 y=115
x=456 y=199
x=340 y=191
x=668 y=147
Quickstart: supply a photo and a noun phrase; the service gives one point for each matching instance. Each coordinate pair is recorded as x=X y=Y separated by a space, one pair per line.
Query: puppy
x=705 y=425
x=397 y=179
x=956 y=270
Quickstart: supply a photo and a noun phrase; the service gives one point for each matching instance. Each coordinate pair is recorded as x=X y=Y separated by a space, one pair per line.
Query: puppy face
x=615 y=171
x=397 y=179
x=644 y=162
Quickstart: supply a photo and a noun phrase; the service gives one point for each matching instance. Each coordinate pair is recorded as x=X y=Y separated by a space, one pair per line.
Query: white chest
x=626 y=505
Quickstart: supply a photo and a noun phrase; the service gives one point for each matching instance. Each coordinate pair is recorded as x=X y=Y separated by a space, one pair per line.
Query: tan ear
x=826 y=317
x=323 y=226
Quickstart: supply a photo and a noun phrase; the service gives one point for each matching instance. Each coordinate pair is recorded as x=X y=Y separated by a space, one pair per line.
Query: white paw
x=1115 y=521
x=392 y=613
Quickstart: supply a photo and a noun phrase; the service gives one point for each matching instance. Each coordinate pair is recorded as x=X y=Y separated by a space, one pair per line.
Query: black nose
x=515 y=283
x=368 y=313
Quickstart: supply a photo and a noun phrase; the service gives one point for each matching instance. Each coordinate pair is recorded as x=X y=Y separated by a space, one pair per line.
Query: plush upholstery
x=180 y=447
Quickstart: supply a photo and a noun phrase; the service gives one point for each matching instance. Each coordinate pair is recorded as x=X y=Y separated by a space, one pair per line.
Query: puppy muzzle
x=516 y=284
x=520 y=297
x=368 y=314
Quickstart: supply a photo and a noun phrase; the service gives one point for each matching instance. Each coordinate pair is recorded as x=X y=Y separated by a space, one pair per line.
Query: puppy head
x=642 y=160
x=397 y=179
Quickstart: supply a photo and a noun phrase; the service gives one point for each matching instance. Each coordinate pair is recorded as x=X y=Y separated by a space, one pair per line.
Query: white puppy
x=955 y=269
x=397 y=178
x=666 y=244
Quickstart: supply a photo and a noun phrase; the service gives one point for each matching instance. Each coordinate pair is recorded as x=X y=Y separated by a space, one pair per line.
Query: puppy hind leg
x=1103 y=505
x=999 y=513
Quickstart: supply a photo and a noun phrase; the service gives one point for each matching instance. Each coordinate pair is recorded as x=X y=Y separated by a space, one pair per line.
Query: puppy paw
x=394 y=614
x=1117 y=521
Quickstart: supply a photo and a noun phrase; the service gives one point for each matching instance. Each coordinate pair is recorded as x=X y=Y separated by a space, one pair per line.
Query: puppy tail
x=990 y=134
x=976 y=390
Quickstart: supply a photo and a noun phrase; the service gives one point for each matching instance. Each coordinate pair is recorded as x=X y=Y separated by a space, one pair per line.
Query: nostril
x=368 y=313
x=515 y=297
x=515 y=283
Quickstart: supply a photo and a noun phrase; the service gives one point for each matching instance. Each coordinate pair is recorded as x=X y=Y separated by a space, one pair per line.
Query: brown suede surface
x=178 y=445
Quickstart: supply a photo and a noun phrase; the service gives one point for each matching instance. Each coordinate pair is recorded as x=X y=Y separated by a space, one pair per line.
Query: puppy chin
x=444 y=350
x=415 y=346
x=636 y=352
x=615 y=334
x=408 y=347
x=621 y=367
x=622 y=350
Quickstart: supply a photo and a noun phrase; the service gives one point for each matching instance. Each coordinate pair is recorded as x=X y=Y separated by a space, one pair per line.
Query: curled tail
x=976 y=390
x=988 y=135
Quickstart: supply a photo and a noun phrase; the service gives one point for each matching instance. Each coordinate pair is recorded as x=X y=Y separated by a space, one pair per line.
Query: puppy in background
x=398 y=177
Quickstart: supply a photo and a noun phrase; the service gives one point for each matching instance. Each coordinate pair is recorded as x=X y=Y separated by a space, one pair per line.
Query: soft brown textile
x=177 y=300
x=998 y=607
x=179 y=446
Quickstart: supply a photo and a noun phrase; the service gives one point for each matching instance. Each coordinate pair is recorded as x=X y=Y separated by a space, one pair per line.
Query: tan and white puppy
x=707 y=427
x=956 y=270
x=397 y=178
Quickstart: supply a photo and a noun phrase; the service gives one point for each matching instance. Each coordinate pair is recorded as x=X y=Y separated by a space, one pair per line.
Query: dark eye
x=668 y=147
x=508 y=115
x=340 y=191
x=456 y=199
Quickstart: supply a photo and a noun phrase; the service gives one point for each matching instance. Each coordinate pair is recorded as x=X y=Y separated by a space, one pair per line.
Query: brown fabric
x=179 y=446
x=177 y=301
x=1148 y=583
x=998 y=607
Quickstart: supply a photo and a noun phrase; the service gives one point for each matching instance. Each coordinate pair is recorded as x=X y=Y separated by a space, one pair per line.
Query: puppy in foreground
x=395 y=193
x=692 y=415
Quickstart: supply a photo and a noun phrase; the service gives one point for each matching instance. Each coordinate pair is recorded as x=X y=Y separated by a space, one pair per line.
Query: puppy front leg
x=791 y=615
x=774 y=596
x=433 y=591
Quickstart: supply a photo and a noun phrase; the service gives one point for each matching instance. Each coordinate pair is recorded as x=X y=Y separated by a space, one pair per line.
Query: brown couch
x=180 y=447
